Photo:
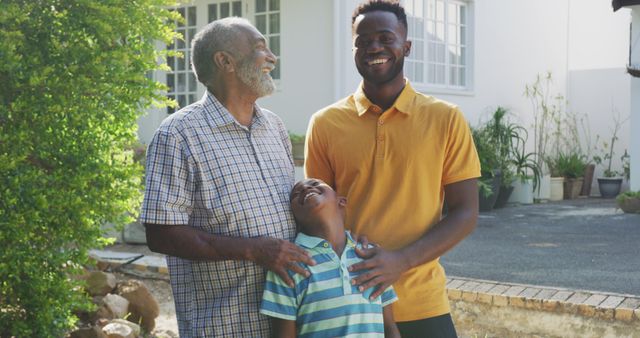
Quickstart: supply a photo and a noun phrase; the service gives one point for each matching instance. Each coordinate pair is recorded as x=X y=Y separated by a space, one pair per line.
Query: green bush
x=73 y=81
x=568 y=165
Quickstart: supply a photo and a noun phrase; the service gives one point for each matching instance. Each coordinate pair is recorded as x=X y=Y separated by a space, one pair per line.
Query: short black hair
x=390 y=6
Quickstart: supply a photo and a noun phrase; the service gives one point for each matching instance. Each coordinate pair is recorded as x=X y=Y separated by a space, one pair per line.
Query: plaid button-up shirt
x=209 y=172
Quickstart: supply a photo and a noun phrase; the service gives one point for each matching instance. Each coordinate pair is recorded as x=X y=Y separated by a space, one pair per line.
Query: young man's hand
x=384 y=269
x=279 y=256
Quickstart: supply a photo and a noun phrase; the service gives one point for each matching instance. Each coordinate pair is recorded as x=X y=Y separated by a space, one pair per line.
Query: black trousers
x=436 y=327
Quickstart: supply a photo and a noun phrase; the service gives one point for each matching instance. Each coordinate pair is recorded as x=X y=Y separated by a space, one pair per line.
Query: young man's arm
x=390 y=327
x=282 y=328
x=186 y=242
x=385 y=267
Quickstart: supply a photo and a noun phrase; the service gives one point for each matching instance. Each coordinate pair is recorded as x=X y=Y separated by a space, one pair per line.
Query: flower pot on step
x=556 y=189
x=572 y=187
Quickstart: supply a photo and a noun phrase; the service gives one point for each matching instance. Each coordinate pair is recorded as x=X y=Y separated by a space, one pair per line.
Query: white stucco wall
x=635 y=102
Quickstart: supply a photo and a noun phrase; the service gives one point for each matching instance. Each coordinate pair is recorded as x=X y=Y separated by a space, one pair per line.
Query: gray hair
x=219 y=35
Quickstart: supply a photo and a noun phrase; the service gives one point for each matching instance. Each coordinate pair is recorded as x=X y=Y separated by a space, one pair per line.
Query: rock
x=118 y=330
x=88 y=332
x=118 y=305
x=135 y=327
x=143 y=308
x=100 y=283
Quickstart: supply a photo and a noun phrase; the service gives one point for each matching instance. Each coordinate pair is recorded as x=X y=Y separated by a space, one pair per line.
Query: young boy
x=325 y=304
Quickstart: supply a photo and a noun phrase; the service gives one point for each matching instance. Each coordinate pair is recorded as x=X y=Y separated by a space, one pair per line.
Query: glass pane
x=463 y=56
x=463 y=15
x=453 y=76
x=191 y=16
x=453 y=34
x=193 y=84
x=274 y=23
x=440 y=74
x=171 y=62
x=261 y=23
x=181 y=11
x=463 y=76
x=213 y=12
x=180 y=64
x=261 y=6
x=440 y=53
x=180 y=41
x=409 y=69
x=419 y=9
x=419 y=72
x=171 y=110
x=431 y=30
x=274 y=44
x=274 y=5
x=418 y=50
x=452 y=13
x=440 y=10
x=419 y=30
x=275 y=74
x=192 y=98
x=431 y=53
x=182 y=101
x=170 y=82
x=431 y=9
x=181 y=88
x=408 y=8
x=224 y=10
x=440 y=31
x=431 y=75
x=463 y=35
x=237 y=8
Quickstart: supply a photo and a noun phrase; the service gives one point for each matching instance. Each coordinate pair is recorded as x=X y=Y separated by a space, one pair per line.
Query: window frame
x=447 y=87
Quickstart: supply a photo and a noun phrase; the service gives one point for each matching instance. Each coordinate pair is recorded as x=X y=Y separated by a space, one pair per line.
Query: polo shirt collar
x=311 y=242
x=221 y=117
x=402 y=104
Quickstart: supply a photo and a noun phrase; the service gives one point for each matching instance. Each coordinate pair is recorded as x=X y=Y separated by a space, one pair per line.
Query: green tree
x=73 y=81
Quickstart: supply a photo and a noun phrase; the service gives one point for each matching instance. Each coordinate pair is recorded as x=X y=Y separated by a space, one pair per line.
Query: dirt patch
x=158 y=285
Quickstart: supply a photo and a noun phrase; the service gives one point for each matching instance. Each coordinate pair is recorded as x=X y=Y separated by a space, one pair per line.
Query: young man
x=218 y=177
x=396 y=154
x=325 y=304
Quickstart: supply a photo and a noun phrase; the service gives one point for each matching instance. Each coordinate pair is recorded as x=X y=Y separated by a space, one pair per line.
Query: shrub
x=72 y=85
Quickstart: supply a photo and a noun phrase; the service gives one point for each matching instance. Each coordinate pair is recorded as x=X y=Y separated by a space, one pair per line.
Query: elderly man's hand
x=279 y=256
x=383 y=268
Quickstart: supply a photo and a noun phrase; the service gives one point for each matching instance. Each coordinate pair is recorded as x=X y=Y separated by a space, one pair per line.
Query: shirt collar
x=221 y=117
x=402 y=103
x=311 y=242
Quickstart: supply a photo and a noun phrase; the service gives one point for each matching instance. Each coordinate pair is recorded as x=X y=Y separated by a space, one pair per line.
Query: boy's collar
x=312 y=241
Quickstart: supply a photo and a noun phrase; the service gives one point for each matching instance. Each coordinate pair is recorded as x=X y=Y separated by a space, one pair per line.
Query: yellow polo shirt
x=392 y=167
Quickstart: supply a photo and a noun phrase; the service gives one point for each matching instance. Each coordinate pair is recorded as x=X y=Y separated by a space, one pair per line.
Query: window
x=440 y=54
x=225 y=9
x=267 y=15
x=181 y=81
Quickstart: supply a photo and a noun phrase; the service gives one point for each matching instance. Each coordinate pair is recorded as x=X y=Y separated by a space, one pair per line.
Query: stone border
x=600 y=305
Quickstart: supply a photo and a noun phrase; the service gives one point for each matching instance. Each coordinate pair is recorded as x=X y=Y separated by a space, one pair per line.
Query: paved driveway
x=583 y=244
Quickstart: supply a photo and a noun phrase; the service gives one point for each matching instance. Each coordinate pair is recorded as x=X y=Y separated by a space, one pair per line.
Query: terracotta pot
x=572 y=188
x=630 y=205
x=588 y=180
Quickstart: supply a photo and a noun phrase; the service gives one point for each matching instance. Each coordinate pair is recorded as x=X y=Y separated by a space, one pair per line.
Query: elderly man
x=219 y=173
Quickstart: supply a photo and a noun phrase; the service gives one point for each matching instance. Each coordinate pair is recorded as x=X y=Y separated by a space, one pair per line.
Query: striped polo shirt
x=325 y=304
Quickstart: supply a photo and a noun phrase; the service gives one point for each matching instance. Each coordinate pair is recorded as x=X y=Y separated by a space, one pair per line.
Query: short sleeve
x=461 y=159
x=389 y=296
x=278 y=300
x=169 y=182
x=316 y=163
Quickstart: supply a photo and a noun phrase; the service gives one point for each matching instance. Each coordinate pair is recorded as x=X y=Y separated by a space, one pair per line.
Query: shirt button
x=380 y=122
x=380 y=138
x=326 y=245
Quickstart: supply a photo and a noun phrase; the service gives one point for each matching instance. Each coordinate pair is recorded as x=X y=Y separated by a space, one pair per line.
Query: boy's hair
x=381 y=5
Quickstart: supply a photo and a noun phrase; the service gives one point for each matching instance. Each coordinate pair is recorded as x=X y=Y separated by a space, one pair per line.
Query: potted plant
x=629 y=202
x=571 y=167
x=491 y=177
x=527 y=171
x=502 y=134
x=297 y=146
x=609 y=184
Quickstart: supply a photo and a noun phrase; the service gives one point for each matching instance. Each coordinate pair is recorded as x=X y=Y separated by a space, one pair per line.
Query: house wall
x=635 y=102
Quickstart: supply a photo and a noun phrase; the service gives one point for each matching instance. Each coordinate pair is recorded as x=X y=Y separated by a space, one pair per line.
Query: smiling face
x=380 y=45
x=257 y=63
x=316 y=205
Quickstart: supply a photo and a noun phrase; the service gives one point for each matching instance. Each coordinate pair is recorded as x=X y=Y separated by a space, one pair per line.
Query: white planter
x=557 y=189
x=522 y=192
x=544 y=193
